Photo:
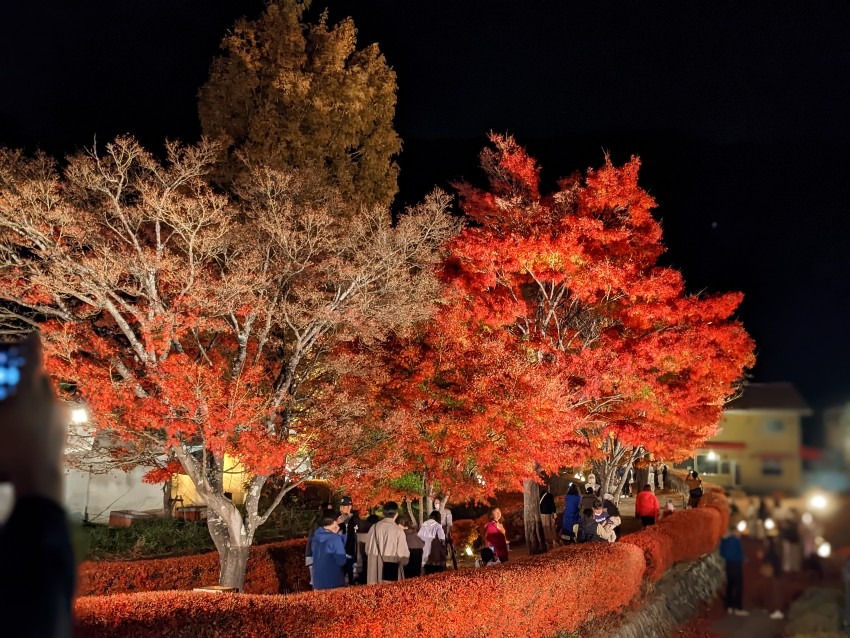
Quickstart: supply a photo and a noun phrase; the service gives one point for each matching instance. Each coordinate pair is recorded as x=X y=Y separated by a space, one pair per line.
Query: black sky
x=739 y=110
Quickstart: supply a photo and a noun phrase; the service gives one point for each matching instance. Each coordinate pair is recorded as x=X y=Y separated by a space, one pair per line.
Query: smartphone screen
x=11 y=362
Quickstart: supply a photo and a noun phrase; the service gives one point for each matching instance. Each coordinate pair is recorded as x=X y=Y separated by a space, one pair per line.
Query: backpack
x=438 y=554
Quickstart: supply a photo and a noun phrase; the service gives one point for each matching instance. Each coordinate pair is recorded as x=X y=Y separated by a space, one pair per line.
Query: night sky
x=740 y=112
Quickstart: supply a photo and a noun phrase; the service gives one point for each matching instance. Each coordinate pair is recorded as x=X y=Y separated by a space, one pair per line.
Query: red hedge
x=684 y=535
x=534 y=597
x=272 y=568
x=657 y=547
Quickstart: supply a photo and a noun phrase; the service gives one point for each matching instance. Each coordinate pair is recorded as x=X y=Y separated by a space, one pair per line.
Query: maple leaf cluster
x=560 y=337
x=203 y=322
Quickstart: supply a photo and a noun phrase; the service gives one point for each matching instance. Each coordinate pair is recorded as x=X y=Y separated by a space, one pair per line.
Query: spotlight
x=742 y=526
x=769 y=524
x=824 y=550
x=818 y=502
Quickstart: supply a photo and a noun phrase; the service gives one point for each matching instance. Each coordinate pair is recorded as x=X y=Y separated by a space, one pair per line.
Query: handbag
x=438 y=554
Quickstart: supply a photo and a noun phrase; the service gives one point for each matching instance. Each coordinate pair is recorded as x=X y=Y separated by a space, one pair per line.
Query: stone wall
x=676 y=598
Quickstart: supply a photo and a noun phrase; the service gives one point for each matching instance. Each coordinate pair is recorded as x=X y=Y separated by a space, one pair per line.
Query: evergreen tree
x=287 y=94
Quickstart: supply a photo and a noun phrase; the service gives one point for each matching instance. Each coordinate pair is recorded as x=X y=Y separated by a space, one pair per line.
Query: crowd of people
x=345 y=550
x=393 y=547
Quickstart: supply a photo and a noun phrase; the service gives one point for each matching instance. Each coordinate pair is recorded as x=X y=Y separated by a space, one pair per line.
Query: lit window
x=773 y=426
x=771 y=467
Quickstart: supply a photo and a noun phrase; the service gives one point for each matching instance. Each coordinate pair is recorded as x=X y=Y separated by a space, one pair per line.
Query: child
x=488 y=558
x=670 y=508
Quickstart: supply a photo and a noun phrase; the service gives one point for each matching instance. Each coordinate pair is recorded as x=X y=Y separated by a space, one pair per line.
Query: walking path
x=757 y=625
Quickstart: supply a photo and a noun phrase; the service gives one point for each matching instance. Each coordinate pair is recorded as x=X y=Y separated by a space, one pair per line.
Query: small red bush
x=534 y=597
x=657 y=548
x=715 y=498
x=275 y=568
x=693 y=533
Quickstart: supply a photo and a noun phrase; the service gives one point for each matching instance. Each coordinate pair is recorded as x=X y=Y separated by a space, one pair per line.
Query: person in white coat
x=430 y=530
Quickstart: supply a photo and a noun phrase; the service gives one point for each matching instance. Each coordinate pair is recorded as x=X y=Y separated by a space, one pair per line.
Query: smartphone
x=11 y=362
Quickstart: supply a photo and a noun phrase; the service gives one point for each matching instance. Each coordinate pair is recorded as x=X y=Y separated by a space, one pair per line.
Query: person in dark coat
x=571 y=513
x=547 y=516
x=732 y=552
x=329 y=557
x=349 y=525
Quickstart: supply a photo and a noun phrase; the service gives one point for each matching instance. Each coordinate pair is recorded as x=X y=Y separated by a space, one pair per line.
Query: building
x=836 y=424
x=759 y=444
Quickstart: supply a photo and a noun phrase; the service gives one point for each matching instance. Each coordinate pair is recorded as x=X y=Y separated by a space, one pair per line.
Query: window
x=773 y=426
x=771 y=467
x=707 y=465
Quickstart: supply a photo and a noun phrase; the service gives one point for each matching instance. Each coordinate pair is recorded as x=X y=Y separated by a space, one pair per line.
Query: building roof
x=781 y=395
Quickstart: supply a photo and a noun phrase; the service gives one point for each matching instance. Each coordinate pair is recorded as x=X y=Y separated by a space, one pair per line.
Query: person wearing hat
x=349 y=524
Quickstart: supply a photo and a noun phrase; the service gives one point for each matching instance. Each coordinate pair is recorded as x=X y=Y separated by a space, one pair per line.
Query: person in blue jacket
x=329 y=557
x=732 y=552
x=571 y=513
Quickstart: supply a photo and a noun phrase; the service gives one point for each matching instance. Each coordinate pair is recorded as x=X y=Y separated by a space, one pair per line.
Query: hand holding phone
x=33 y=424
x=11 y=363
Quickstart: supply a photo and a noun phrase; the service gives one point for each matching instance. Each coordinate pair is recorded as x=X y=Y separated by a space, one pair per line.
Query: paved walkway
x=757 y=625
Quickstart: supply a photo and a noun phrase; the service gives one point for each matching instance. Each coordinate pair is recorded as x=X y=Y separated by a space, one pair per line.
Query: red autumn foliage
x=275 y=568
x=519 y=600
x=560 y=333
x=198 y=323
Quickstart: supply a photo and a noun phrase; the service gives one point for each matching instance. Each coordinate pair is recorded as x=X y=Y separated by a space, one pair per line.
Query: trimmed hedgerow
x=523 y=599
x=275 y=568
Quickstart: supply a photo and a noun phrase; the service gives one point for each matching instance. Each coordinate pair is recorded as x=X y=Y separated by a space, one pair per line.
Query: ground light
x=818 y=502
x=468 y=550
x=79 y=416
x=769 y=524
x=807 y=518
x=824 y=550
x=742 y=526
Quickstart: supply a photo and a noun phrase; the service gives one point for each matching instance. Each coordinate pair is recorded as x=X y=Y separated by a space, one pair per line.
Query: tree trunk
x=166 y=499
x=232 y=563
x=410 y=514
x=233 y=544
x=535 y=539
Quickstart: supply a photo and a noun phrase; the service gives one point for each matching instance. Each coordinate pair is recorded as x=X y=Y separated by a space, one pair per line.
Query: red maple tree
x=561 y=339
x=208 y=324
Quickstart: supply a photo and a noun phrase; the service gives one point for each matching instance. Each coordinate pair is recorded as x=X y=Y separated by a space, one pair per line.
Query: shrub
x=693 y=533
x=465 y=532
x=514 y=600
x=272 y=568
x=715 y=498
x=657 y=547
x=143 y=538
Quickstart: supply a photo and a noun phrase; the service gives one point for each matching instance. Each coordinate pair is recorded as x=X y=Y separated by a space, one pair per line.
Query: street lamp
x=818 y=502
x=79 y=416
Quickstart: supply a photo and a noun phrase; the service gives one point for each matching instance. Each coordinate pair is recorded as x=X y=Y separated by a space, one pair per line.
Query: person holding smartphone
x=36 y=558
